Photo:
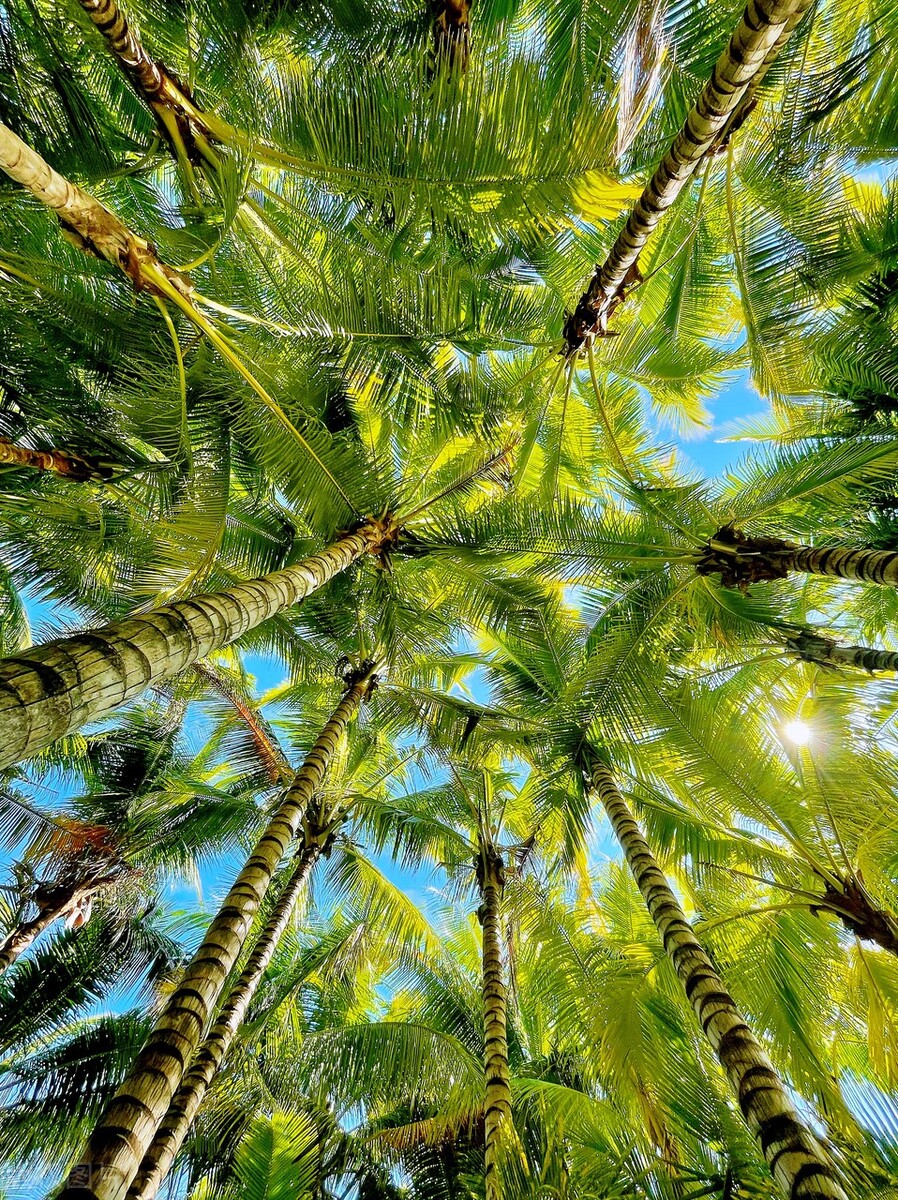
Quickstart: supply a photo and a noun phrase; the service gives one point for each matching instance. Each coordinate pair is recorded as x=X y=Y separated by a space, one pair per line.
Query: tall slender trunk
x=51 y=690
x=796 y=1160
x=167 y=98
x=491 y=877
x=123 y=1135
x=749 y=99
x=866 y=566
x=763 y=30
x=190 y=1095
x=60 y=462
x=56 y=903
x=741 y=560
x=815 y=648
x=86 y=220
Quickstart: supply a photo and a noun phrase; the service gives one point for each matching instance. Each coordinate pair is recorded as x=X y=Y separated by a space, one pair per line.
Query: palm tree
x=320 y=826
x=815 y=647
x=140 y=1103
x=189 y=1097
x=54 y=689
x=760 y=35
x=796 y=1158
x=70 y=1085
x=741 y=560
x=414 y=644
x=68 y=897
x=491 y=881
x=477 y=819
x=179 y=120
x=352 y=280
x=548 y=675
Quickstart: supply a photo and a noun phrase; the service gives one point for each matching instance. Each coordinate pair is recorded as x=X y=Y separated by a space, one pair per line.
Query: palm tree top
x=366 y=340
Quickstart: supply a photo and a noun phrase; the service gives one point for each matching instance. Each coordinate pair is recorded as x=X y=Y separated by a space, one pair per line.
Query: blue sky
x=708 y=449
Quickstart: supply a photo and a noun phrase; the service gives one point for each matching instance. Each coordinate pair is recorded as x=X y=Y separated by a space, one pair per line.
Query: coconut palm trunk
x=190 y=1095
x=59 y=462
x=796 y=1160
x=125 y=1132
x=169 y=100
x=87 y=221
x=865 y=566
x=491 y=877
x=763 y=30
x=815 y=648
x=55 y=903
x=54 y=689
x=193 y=135
x=741 y=560
x=749 y=100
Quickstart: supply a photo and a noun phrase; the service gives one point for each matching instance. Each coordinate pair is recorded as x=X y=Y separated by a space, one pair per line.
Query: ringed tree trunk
x=190 y=1095
x=815 y=648
x=180 y=121
x=491 y=879
x=797 y=1161
x=55 y=902
x=761 y=33
x=741 y=560
x=749 y=101
x=87 y=222
x=117 y=1146
x=60 y=462
x=54 y=689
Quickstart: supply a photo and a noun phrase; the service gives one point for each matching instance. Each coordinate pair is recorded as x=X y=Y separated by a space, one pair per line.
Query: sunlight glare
x=798 y=732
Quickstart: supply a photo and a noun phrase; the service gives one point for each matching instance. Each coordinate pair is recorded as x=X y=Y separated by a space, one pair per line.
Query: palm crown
x=343 y=337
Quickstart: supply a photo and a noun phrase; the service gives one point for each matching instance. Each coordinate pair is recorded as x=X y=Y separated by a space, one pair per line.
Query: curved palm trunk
x=491 y=877
x=51 y=690
x=119 y=1142
x=763 y=30
x=190 y=1095
x=815 y=648
x=86 y=220
x=796 y=1160
x=60 y=462
x=56 y=904
x=170 y=102
x=741 y=560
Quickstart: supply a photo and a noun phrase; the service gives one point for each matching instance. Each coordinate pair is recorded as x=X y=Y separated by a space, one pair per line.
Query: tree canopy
x=424 y=773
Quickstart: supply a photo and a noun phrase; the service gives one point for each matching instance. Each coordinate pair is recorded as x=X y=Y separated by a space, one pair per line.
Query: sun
x=798 y=732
